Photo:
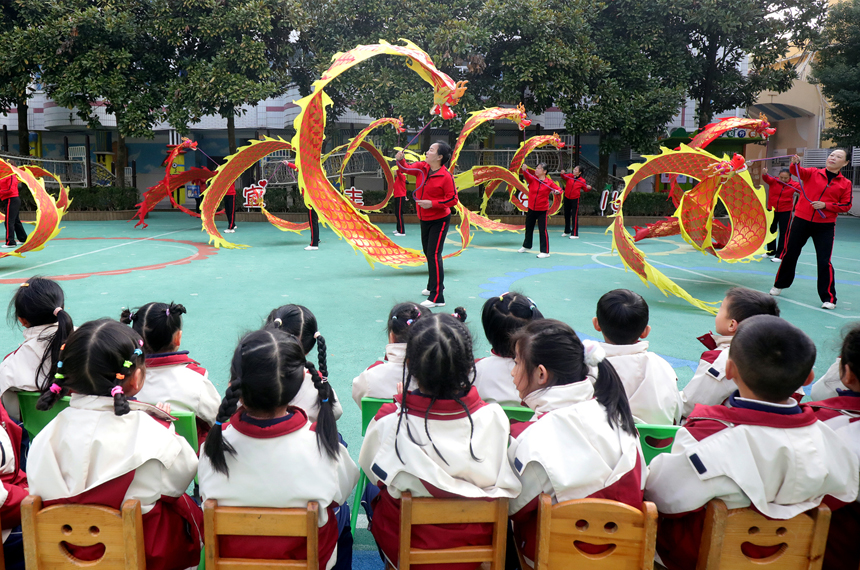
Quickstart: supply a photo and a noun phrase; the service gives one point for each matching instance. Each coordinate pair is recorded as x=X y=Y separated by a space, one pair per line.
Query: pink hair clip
x=55 y=388
x=57 y=310
x=317 y=334
x=140 y=342
x=116 y=390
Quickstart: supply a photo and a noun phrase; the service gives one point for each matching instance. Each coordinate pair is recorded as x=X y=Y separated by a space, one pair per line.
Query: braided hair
x=504 y=315
x=157 y=323
x=266 y=373
x=40 y=301
x=439 y=353
x=300 y=322
x=97 y=358
x=556 y=346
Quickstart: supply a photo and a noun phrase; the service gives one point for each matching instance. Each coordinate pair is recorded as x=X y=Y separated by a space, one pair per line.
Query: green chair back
x=35 y=420
x=650 y=436
x=518 y=413
x=369 y=408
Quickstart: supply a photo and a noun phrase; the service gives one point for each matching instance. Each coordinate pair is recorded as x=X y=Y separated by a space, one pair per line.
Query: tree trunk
x=603 y=164
x=23 y=128
x=121 y=159
x=231 y=130
x=705 y=112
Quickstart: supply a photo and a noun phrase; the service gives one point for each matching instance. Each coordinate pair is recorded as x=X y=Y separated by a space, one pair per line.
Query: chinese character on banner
x=254 y=194
x=357 y=196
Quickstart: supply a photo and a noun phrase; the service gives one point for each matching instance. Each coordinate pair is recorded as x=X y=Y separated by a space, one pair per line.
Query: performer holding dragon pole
x=824 y=194
x=575 y=184
x=435 y=194
x=539 y=189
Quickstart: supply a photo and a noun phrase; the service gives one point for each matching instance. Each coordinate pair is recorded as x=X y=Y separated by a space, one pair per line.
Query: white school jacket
x=842 y=414
x=177 y=380
x=649 y=381
x=709 y=385
x=381 y=378
x=308 y=400
x=782 y=464
x=571 y=451
x=286 y=452
x=87 y=445
x=18 y=370
x=826 y=386
x=449 y=430
x=494 y=381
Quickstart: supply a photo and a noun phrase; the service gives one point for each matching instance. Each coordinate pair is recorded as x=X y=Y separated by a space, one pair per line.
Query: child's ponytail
x=65 y=326
x=321 y=354
x=157 y=323
x=326 y=429
x=608 y=389
x=215 y=448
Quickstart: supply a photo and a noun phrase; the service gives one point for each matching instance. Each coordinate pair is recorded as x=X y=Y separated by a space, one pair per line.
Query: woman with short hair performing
x=824 y=194
x=435 y=194
x=539 y=189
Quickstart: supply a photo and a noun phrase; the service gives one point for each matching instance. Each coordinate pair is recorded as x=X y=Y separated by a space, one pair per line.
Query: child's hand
x=163 y=407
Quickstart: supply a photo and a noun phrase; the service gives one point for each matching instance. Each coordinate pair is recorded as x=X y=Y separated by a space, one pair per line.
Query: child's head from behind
x=160 y=325
x=100 y=358
x=402 y=317
x=439 y=356
x=266 y=373
x=849 y=366
x=549 y=353
x=300 y=322
x=39 y=301
x=739 y=304
x=770 y=357
x=503 y=316
x=622 y=317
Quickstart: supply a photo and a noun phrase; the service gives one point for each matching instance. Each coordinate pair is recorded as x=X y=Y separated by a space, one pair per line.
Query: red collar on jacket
x=169 y=359
x=741 y=416
x=847 y=403
x=296 y=422
x=418 y=405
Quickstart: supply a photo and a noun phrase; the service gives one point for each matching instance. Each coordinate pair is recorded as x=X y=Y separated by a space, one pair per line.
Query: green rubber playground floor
x=108 y=265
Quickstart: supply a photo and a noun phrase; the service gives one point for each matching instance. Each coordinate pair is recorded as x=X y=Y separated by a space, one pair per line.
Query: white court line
x=834 y=269
x=91 y=252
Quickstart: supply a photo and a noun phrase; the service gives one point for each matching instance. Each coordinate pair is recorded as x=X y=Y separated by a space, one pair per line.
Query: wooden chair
x=453 y=511
x=47 y=529
x=595 y=534
x=253 y=521
x=729 y=532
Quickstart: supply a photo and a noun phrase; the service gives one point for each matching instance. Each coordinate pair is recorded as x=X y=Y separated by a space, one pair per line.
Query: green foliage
x=96 y=198
x=837 y=69
x=722 y=33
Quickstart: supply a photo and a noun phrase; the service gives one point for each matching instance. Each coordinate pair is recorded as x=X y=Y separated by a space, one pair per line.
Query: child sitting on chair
x=709 y=385
x=381 y=378
x=502 y=317
x=438 y=439
x=172 y=376
x=649 y=381
x=766 y=451
x=583 y=443
x=842 y=414
x=106 y=448
x=265 y=439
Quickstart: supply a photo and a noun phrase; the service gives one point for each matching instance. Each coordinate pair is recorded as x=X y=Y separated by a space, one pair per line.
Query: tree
x=724 y=33
x=640 y=82
x=104 y=52
x=18 y=61
x=229 y=54
x=837 y=69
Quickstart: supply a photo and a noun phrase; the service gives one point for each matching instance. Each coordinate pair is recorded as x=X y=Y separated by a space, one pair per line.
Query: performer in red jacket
x=11 y=204
x=574 y=185
x=824 y=193
x=539 y=188
x=399 y=202
x=434 y=196
x=780 y=198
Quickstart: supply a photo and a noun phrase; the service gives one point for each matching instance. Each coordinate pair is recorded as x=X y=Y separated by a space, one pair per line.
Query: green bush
x=99 y=198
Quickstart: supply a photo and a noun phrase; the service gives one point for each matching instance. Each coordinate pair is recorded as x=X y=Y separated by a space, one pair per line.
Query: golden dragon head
x=763 y=128
x=445 y=97
x=522 y=120
x=556 y=141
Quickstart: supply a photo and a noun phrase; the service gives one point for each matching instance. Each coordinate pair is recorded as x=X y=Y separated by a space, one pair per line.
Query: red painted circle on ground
x=203 y=251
